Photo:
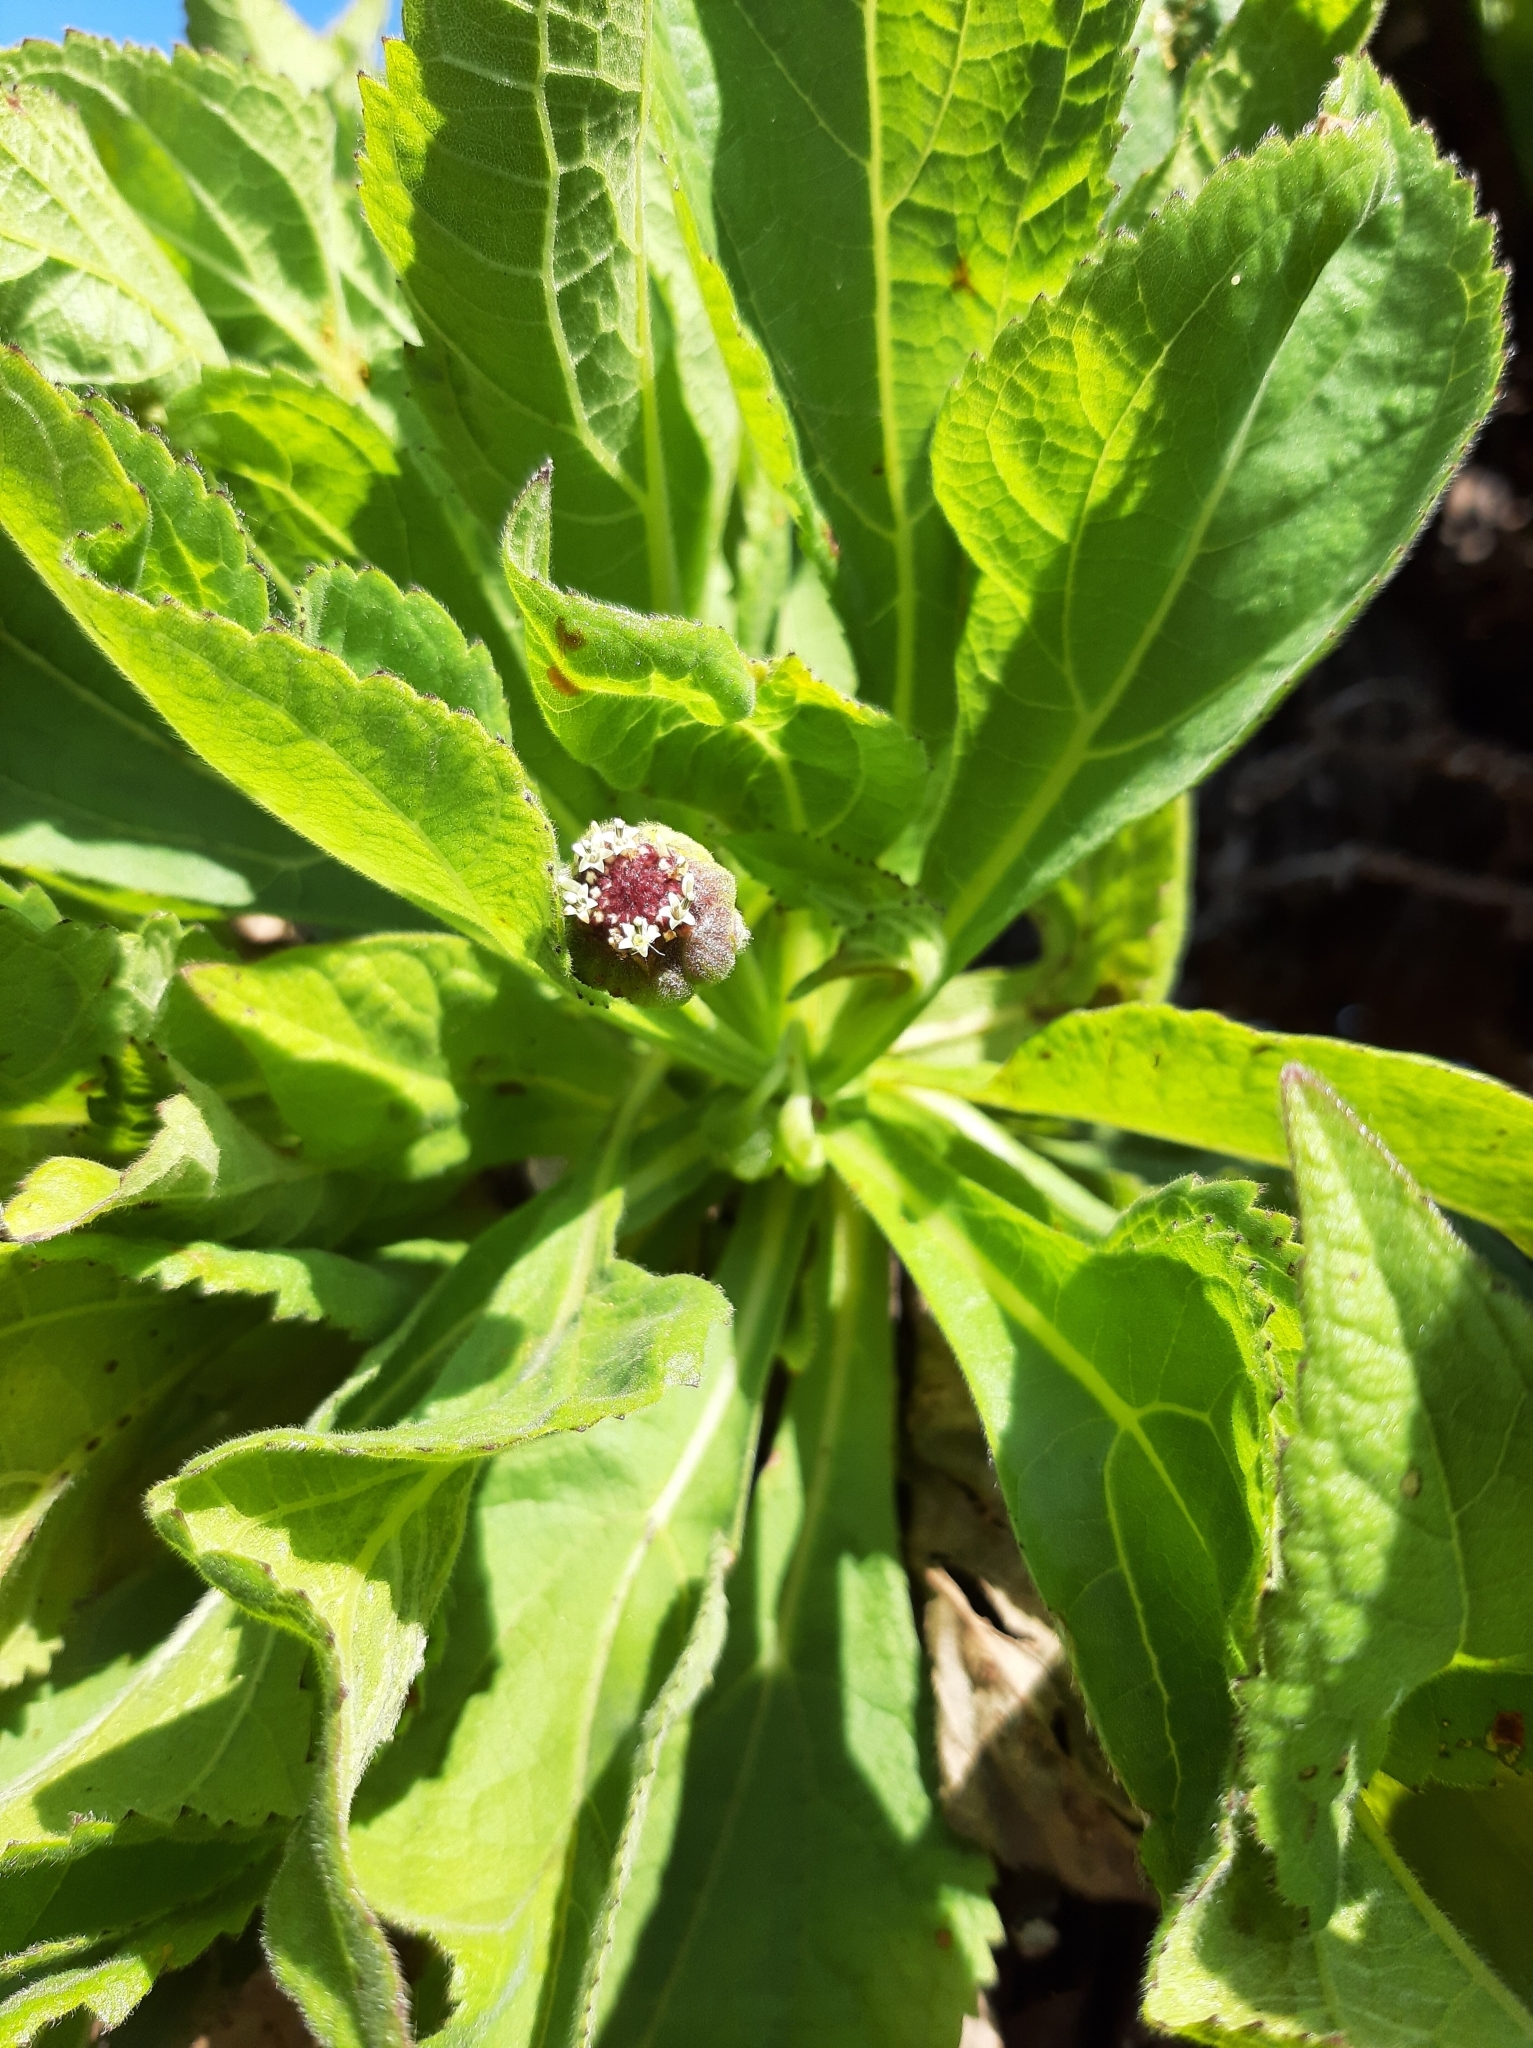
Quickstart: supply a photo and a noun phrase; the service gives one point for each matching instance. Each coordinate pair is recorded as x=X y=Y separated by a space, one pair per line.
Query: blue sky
x=142 y=21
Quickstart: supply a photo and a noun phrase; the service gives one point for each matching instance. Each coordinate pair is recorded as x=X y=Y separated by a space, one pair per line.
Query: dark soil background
x=1365 y=864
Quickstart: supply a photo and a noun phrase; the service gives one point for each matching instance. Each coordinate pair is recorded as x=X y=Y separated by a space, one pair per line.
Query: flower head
x=650 y=914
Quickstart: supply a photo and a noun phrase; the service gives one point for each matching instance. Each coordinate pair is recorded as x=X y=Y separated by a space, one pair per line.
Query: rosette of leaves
x=823 y=435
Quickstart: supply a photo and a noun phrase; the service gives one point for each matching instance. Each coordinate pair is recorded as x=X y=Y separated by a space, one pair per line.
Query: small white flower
x=580 y=900
x=635 y=935
x=674 y=912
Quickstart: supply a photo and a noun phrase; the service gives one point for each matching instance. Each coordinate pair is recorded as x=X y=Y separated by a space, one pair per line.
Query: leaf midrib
x=972 y=898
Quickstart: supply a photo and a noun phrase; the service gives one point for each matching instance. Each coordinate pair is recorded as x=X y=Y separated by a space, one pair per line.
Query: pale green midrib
x=575 y=404
x=767 y=1678
x=1480 y=1973
x=817 y=1494
x=336 y=309
x=1146 y=1634
x=972 y=898
x=664 y=576
x=903 y=536
x=781 y=763
x=1128 y=1421
x=187 y=1628
x=768 y=1249
x=333 y=537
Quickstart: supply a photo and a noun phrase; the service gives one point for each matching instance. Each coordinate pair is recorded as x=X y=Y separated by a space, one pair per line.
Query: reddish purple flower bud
x=649 y=914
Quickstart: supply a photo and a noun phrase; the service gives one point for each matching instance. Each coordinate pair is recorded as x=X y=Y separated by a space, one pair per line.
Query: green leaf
x=303 y=1286
x=886 y=926
x=524 y=1813
x=891 y=185
x=232 y=172
x=531 y=350
x=308 y=464
x=347 y=1538
x=212 y=1723
x=1236 y=1962
x=77 y=992
x=377 y=628
x=666 y=671
x=812 y=1894
x=319 y=480
x=85 y=1355
x=1266 y=69
x=401 y=1056
x=275 y=37
x=1467 y=1728
x=1184 y=475
x=1406 y=1508
x=418 y=797
x=1125 y=1393
x=84 y=286
x=973 y=1147
x=94 y=785
x=686 y=119
x=1110 y=931
x=202 y=1168
x=1199 y=1079
x=1471 y=1852
x=108 y=1381
x=108 y=1978
x=673 y=709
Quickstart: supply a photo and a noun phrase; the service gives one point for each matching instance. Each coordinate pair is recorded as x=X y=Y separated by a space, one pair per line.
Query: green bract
x=447 y=1390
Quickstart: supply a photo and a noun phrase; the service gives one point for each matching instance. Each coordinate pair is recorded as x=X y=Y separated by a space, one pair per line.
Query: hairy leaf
x=1237 y=1962
x=892 y=183
x=402 y=1056
x=84 y=286
x=1124 y=1392
x=276 y=37
x=76 y=992
x=674 y=709
x=107 y=1977
x=546 y=333
x=1199 y=1079
x=319 y=479
x=1407 y=1505
x=347 y=1538
x=303 y=1286
x=202 y=1170
x=1184 y=475
x=418 y=797
x=114 y=1422
x=377 y=628
x=95 y=786
x=497 y=1823
x=233 y=172
x=212 y=1723
x=1266 y=69
x=812 y=1894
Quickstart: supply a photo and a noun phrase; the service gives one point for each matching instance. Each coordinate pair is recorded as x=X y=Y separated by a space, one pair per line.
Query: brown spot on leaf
x=562 y=683
x=1508 y=1731
x=567 y=637
x=961 y=280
